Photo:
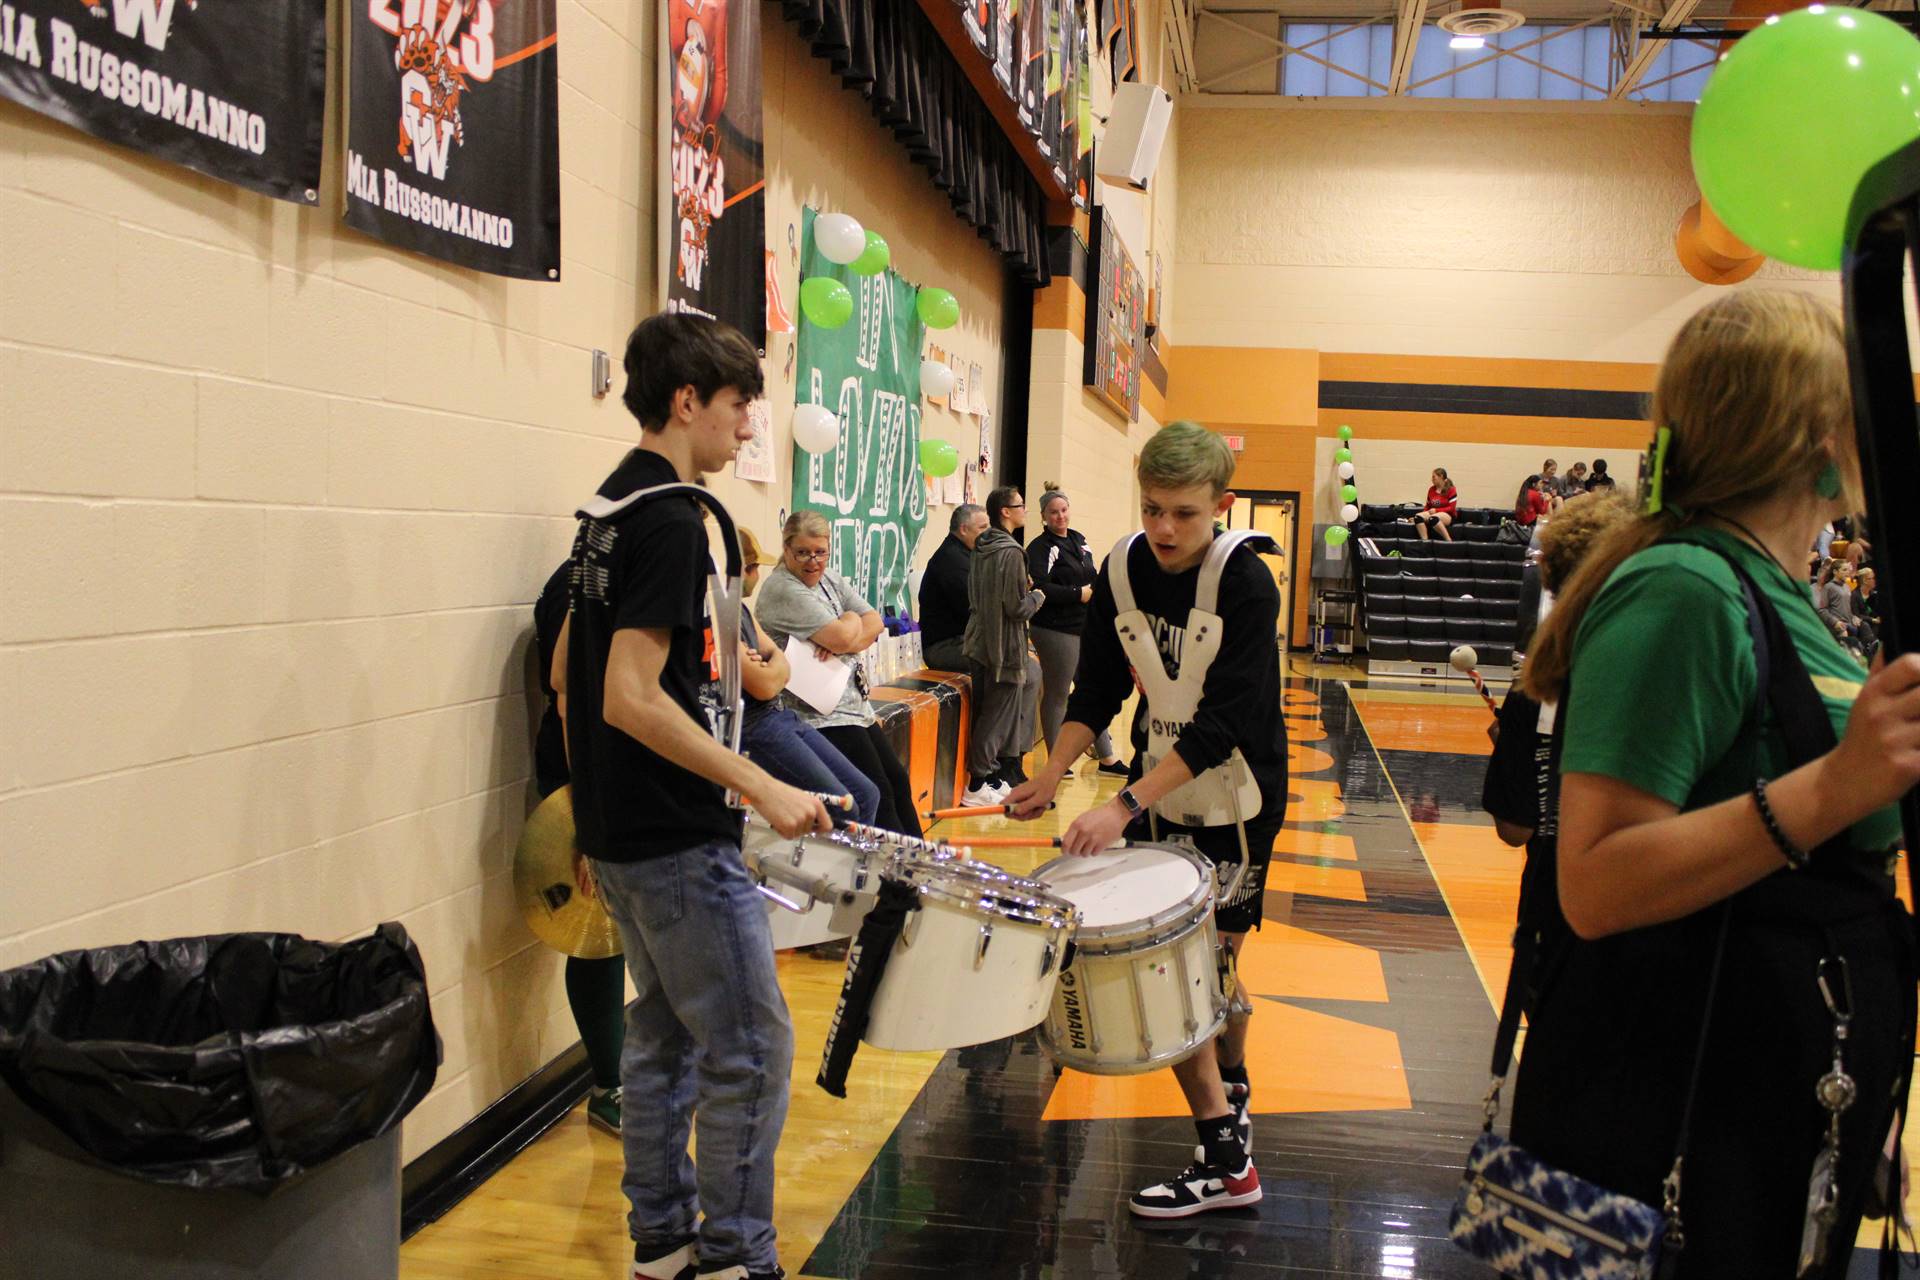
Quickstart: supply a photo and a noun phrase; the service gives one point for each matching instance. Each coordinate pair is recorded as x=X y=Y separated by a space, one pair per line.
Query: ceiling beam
x=1643 y=52
x=1298 y=51
x=1178 y=26
x=1495 y=52
x=1408 y=20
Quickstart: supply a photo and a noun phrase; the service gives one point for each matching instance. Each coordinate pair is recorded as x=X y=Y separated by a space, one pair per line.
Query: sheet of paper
x=976 y=388
x=816 y=683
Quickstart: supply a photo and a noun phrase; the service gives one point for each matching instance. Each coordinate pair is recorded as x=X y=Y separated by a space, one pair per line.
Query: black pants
x=866 y=746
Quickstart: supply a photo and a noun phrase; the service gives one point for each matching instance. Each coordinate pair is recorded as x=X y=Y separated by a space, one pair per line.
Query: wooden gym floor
x=1376 y=978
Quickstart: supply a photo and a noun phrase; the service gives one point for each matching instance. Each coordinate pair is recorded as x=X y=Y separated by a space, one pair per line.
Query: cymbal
x=543 y=885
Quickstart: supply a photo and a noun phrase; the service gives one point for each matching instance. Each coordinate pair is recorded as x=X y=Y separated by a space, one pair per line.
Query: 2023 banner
x=716 y=187
x=235 y=91
x=869 y=486
x=453 y=131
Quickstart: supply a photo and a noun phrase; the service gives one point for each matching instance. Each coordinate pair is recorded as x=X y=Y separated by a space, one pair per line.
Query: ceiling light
x=1467 y=42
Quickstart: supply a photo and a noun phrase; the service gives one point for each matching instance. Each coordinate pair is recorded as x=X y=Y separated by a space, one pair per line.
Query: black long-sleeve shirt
x=1240 y=700
x=1060 y=567
x=943 y=593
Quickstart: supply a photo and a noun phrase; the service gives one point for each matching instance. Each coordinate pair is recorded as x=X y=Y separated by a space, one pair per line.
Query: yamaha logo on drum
x=1070 y=1006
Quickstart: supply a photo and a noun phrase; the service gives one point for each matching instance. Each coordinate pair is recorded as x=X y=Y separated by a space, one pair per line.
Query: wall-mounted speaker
x=1137 y=123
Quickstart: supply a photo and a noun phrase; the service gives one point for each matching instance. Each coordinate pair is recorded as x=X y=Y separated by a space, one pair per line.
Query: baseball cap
x=750 y=552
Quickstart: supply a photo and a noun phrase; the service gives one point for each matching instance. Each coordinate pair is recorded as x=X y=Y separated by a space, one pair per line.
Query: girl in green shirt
x=1696 y=804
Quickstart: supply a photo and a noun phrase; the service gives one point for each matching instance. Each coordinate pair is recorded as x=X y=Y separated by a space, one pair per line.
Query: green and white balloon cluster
x=827 y=303
x=1349 y=495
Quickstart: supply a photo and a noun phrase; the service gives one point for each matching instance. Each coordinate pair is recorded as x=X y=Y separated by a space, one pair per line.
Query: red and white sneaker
x=1198 y=1189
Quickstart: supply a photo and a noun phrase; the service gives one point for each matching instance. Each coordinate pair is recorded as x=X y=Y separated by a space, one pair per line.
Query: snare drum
x=975 y=962
x=1144 y=989
x=818 y=887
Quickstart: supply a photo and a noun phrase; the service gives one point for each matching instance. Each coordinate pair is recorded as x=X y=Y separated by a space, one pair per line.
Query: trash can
x=210 y=1107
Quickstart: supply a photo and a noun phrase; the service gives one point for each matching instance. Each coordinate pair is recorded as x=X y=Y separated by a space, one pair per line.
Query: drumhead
x=1123 y=885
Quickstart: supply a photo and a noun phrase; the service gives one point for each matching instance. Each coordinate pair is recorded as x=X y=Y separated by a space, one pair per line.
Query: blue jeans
x=707 y=1034
x=795 y=752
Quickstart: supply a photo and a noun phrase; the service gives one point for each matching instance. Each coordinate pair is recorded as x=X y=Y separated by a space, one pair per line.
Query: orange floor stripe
x=1289 y=962
x=1314 y=844
x=1427 y=726
x=1480 y=877
x=1302 y=1061
x=1309 y=800
x=1307 y=759
x=1316 y=882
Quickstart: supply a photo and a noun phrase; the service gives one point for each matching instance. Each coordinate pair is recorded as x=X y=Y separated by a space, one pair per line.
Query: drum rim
x=1003 y=895
x=1196 y=906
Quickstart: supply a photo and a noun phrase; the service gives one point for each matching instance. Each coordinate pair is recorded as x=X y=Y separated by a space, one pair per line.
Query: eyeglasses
x=810 y=557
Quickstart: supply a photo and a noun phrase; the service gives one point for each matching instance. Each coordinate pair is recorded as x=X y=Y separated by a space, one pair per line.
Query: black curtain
x=889 y=53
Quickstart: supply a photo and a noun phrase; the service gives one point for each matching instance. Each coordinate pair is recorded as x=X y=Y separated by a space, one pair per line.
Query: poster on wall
x=1116 y=321
x=716 y=170
x=977 y=17
x=1006 y=44
x=453 y=131
x=755 y=459
x=869 y=486
x=236 y=92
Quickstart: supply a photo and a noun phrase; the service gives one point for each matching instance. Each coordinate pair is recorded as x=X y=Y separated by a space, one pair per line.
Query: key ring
x=1842 y=1010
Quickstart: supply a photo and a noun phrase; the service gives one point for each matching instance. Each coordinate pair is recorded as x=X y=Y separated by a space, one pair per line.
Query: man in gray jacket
x=1006 y=677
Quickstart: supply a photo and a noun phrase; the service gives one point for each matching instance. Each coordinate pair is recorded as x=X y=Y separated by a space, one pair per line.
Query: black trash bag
x=235 y=1061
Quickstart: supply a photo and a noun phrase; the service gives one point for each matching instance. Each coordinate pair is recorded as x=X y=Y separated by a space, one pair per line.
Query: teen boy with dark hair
x=638 y=685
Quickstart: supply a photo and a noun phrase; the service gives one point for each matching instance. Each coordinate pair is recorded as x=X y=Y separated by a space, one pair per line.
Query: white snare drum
x=818 y=888
x=1144 y=988
x=976 y=962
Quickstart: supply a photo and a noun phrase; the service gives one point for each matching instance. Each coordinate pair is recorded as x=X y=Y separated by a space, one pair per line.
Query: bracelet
x=1796 y=856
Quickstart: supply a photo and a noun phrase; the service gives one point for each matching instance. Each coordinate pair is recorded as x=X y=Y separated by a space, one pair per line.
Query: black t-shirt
x=1240 y=701
x=645 y=567
x=943 y=593
x=549 y=744
x=1523 y=787
x=1060 y=567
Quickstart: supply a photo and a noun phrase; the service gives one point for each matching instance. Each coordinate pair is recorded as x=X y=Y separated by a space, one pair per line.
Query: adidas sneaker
x=1199 y=1188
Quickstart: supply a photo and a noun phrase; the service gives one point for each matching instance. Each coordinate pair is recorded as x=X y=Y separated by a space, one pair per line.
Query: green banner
x=869 y=486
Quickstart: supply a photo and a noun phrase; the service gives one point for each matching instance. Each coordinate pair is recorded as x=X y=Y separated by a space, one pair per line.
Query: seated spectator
x=1574 y=482
x=1443 y=505
x=1530 y=504
x=1865 y=610
x=1833 y=599
x=804 y=598
x=775 y=737
x=1550 y=482
x=943 y=590
x=1599 y=479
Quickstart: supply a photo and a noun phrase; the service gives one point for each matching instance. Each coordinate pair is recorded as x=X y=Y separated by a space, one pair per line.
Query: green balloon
x=939 y=458
x=938 y=309
x=1349 y=494
x=825 y=301
x=1343 y=454
x=1336 y=535
x=874 y=258
x=1795 y=114
x=1346 y=433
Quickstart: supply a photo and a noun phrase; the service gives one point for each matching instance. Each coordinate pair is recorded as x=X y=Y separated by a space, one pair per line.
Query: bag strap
x=1762 y=622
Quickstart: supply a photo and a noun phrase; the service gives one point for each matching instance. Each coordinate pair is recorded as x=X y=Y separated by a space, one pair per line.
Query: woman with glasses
x=802 y=597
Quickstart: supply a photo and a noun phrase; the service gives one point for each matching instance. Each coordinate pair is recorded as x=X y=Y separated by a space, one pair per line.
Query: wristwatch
x=1131 y=803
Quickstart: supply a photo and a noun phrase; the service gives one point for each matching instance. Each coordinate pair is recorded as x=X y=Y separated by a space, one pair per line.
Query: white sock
x=666 y=1267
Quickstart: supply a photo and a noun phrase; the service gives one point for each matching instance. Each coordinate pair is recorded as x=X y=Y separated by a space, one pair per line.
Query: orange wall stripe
x=1061 y=305
x=1481 y=371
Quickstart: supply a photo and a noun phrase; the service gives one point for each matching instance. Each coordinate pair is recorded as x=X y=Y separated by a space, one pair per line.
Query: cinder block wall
x=275 y=500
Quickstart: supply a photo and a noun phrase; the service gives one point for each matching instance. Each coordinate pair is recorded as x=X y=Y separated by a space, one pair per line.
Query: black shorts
x=1222 y=846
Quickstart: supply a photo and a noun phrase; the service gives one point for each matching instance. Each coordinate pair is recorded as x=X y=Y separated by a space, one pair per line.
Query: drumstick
x=974 y=811
x=1013 y=842
x=842 y=803
x=1466 y=660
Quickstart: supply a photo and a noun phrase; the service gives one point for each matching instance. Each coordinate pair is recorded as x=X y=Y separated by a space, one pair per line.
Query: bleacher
x=1431 y=596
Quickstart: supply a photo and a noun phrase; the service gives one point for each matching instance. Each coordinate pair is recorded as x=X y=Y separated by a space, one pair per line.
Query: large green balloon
x=1343 y=454
x=938 y=309
x=874 y=258
x=1348 y=493
x=939 y=458
x=1336 y=534
x=825 y=301
x=1794 y=116
x=1346 y=433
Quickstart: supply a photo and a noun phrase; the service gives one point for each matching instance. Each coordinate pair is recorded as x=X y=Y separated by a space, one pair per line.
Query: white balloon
x=936 y=379
x=840 y=238
x=814 y=428
x=1346 y=471
x=1349 y=513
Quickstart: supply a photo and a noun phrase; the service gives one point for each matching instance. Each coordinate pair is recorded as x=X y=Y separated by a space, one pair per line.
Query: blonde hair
x=804 y=524
x=1580 y=522
x=1182 y=454
x=1754 y=390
